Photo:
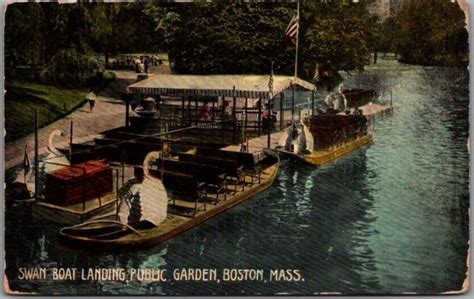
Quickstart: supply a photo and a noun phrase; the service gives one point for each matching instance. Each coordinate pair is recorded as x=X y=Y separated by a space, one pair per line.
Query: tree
x=336 y=37
x=43 y=35
x=431 y=32
x=24 y=42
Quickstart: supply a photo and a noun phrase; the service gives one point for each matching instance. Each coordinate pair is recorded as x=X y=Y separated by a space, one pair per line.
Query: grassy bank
x=22 y=99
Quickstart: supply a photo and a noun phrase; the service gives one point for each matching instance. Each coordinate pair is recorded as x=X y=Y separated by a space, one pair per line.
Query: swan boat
x=321 y=139
x=182 y=213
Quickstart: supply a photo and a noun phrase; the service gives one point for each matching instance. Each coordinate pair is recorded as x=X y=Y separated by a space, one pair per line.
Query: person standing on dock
x=91 y=97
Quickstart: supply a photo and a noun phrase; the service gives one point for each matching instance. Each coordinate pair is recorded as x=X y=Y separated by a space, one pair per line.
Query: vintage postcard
x=238 y=148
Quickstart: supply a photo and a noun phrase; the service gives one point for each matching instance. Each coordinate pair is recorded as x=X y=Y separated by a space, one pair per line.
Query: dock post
x=282 y=111
x=122 y=163
x=293 y=104
x=188 y=121
x=259 y=116
x=391 y=98
x=196 y=114
x=245 y=119
x=213 y=110
x=84 y=175
x=269 y=124
x=71 y=132
x=182 y=111
x=116 y=193
x=127 y=112
x=234 y=119
x=36 y=156
x=126 y=98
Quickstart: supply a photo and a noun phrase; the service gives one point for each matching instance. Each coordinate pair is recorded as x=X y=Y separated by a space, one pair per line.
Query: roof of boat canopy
x=241 y=86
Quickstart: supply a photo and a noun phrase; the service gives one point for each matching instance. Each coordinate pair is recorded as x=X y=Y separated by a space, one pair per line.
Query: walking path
x=109 y=113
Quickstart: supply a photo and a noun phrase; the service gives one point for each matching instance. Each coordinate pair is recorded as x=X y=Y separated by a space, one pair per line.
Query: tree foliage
x=40 y=35
x=431 y=32
x=201 y=37
x=338 y=38
x=217 y=37
x=70 y=68
x=24 y=39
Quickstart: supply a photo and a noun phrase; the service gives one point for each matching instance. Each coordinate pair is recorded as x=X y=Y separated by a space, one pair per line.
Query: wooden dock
x=257 y=144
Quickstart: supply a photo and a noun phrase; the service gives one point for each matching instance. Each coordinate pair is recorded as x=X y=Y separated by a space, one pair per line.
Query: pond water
x=388 y=219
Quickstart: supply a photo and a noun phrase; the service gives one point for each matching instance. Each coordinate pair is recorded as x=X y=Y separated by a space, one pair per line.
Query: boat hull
x=321 y=157
x=74 y=214
x=173 y=226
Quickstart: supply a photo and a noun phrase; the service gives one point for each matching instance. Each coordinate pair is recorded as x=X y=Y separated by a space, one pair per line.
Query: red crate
x=70 y=185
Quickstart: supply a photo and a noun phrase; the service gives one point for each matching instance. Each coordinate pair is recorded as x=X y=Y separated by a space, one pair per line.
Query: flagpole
x=296 y=58
x=297 y=36
x=36 y=157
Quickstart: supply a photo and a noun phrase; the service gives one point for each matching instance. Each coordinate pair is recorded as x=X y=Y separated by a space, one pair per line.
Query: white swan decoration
x=24 y=178
x=54 y=155
x=297 y=138
x=151 y=193
x=343 y=96
x=305 y=140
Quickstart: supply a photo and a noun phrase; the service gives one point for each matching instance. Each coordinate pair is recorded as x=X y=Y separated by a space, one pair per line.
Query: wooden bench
x=213 y=177
x=246 y=160
x=183 y=187
x=231 y=169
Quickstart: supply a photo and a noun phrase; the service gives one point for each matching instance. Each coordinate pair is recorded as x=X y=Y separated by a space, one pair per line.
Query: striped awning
x=240 y=86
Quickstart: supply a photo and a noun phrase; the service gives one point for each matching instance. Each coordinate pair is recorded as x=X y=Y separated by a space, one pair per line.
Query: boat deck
x=257 y=144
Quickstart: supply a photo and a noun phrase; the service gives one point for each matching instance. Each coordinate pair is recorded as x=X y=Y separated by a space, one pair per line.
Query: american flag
x=292 y=29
